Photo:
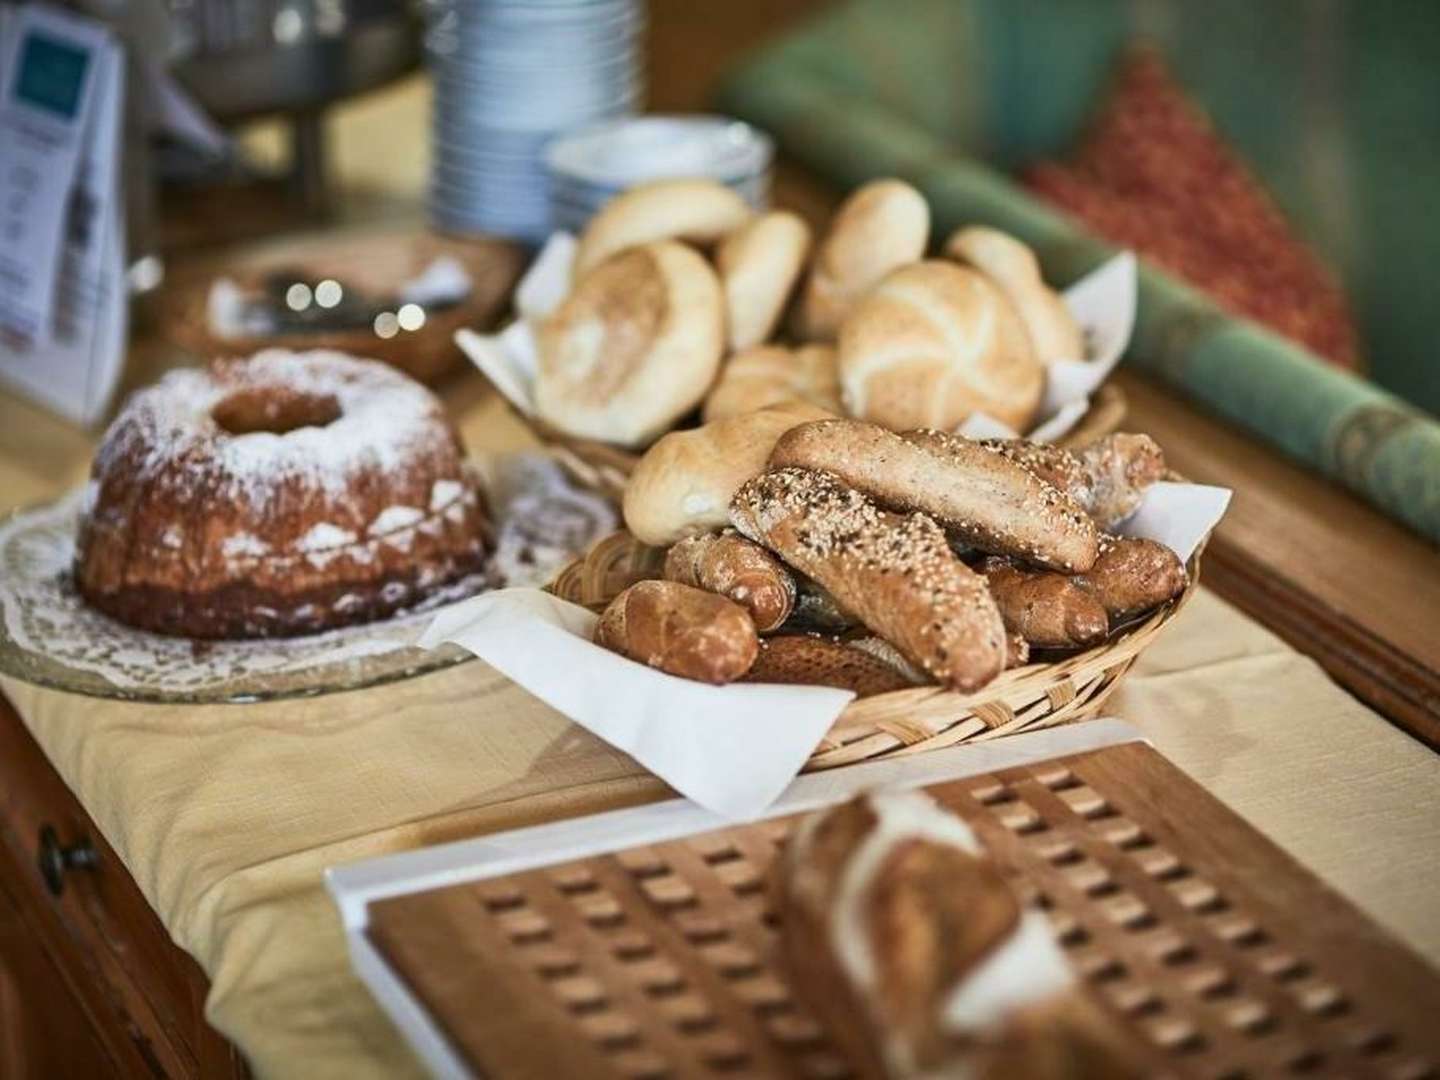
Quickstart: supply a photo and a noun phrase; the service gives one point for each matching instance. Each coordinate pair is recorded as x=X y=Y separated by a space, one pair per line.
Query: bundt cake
x=276 y=495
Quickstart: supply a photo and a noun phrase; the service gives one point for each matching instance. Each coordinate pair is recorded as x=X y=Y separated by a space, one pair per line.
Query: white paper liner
x=543 y=522
x=1103 y=303
x=732 y=748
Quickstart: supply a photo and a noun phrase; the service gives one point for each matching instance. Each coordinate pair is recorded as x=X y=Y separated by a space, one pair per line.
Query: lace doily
x=51 y=637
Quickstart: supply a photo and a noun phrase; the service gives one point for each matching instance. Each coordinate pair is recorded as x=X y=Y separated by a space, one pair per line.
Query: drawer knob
x=55 y=859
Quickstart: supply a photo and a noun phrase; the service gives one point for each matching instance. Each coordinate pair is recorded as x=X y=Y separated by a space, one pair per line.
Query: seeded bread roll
x=1053 y=331
x=883 y=225
x=774 y=375
x=680 y=630
x=1108 y=478
x=697 y=211
x=895 y=572
x=633 y=347
x=808 y=660
x=1133 y=575
x=1048 y=610
x=759 y=264
x=989 y=501
x=683 y=484
x=933 y=343
x=737 y=569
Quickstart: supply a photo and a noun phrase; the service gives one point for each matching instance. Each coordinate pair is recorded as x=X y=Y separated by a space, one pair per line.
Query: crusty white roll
x=883 y=225
x=1054 y=333
x=633 y=347
x=933 y=343
x=684 y=483
x=699 y=211
x=759 y=264
x=773 y=375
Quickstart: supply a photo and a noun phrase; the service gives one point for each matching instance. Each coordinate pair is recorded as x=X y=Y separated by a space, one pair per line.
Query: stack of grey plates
x=590 y=166
x=509 y=76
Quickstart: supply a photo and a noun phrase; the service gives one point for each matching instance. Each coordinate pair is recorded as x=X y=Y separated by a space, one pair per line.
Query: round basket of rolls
x=961 y=588
x=683 y=306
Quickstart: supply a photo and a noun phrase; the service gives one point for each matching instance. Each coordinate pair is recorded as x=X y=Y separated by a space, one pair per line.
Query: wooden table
x=90 y=977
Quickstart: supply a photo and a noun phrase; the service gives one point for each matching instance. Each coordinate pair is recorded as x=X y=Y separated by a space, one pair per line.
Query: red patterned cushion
x=1154 y=175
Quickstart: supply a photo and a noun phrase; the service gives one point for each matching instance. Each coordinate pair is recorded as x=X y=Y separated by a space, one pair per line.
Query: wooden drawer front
x=43 y=1030
x=99 y=929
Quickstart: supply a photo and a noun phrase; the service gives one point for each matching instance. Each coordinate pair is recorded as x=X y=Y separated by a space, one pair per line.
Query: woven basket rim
x=927 y=717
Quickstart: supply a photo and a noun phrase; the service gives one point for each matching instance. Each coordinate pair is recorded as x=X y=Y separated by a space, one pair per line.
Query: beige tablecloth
x=226 y=815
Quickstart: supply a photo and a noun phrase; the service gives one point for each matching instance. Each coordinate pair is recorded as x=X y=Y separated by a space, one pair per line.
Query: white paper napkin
x=1103 y=303
x=732 y=749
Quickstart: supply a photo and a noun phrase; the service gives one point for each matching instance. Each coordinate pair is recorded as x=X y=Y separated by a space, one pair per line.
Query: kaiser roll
x=933 y=343
x=701 y=211
x=633 y=347
x=759 y=264
x=883 y=225
x=684 y=483
x=773 y=375
x=1054 y=333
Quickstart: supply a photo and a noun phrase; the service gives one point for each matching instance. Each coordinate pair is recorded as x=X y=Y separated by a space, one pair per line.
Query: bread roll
x=1133 y=575
x=987 y=500
x=684 y=483
x=933 y=343
x=700 y=211
x=902 y=936
x=807 y=660
x=737 y=569
x=633 y=347
x=759 y=264
x=774 y=375
x=683 y=631
x=895 y=572
x=1108 y=478
x=1048 y=610
x=1054 y=333
x=883 y=225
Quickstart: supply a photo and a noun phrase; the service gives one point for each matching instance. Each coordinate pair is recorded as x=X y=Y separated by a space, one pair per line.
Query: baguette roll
x=1133 y=575
x=985 y=499
x=894 y=571
x=737 y=569
x=680 y=630
x=1046 y=609
x=1108 y=478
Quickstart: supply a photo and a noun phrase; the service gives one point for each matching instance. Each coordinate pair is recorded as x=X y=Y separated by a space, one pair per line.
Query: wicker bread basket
x=605 y=468
x=1037 y=695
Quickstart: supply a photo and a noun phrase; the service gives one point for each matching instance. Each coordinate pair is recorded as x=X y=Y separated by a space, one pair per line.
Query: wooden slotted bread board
x=1216 y=951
